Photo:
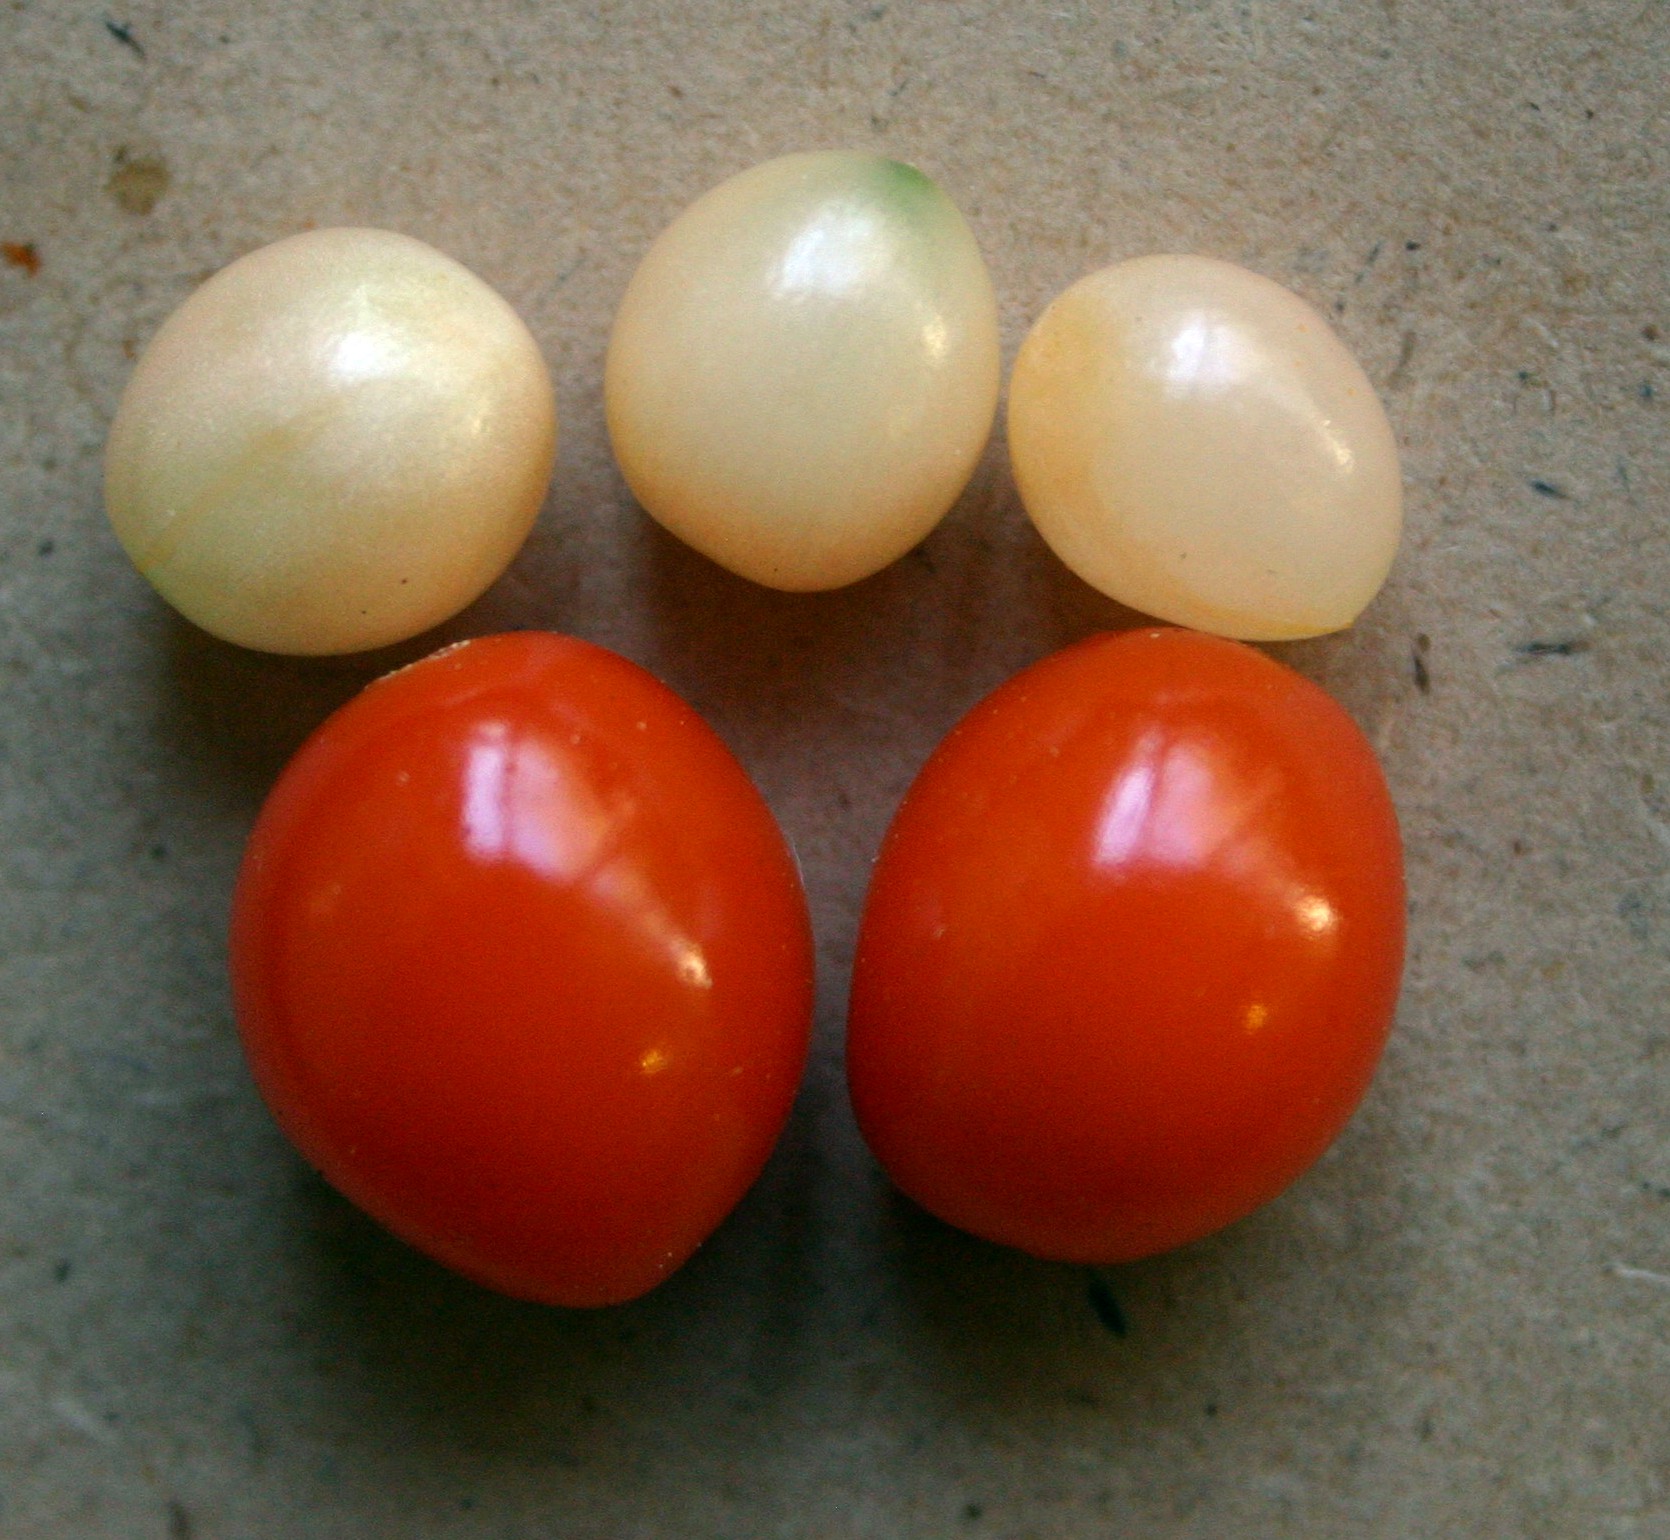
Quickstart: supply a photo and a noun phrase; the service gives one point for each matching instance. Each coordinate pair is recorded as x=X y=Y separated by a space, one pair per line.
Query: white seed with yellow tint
x=1193 y=440
x=337 y=442
x=804 y=369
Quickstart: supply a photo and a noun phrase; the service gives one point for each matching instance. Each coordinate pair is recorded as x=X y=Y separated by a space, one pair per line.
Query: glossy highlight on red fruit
x=523 y=965
x=1131 y=950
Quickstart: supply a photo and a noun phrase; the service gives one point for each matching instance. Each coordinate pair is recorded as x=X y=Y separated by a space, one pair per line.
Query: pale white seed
x=336 y=442
x=804 y=369
x=1193 y=440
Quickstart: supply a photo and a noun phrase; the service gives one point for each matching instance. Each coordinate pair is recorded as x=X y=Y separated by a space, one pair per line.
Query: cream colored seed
x=336 y=443
x=804 y=369
x=1193 y=440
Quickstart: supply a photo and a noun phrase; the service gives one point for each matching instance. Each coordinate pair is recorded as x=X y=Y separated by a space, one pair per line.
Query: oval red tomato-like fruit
x=523 y=965
x=1131 y=950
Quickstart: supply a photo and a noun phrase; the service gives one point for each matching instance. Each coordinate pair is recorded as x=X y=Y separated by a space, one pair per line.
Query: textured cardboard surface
x=1458 y=1324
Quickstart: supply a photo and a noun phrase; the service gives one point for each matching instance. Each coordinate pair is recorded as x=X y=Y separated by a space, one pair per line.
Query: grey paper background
x=1458 y=1324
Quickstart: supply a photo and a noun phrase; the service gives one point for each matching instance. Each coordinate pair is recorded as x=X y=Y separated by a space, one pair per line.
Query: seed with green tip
x=804 y=368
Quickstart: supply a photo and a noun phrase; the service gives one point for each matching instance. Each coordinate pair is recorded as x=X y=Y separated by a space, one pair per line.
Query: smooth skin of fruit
x=523 y=966
x=1131 y=950
x=337 y=442
x=1193 y=440
x=804 y=369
